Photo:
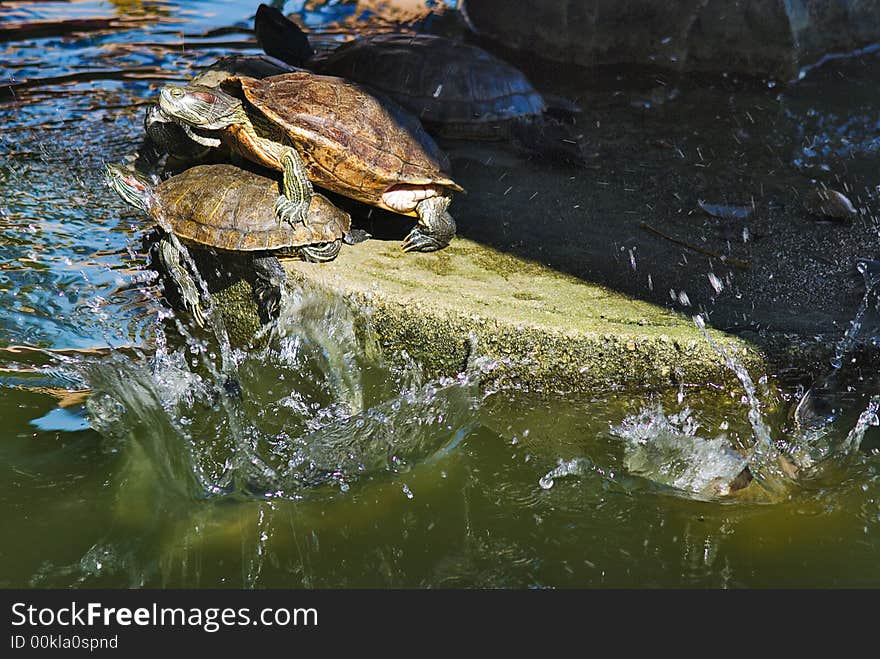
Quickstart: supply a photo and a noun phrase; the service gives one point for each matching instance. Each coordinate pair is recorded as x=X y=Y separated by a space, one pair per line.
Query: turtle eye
x=176 y=92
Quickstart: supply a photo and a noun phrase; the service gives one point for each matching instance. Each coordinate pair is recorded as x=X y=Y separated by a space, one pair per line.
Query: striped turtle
x=231 y=209
x=330 y=132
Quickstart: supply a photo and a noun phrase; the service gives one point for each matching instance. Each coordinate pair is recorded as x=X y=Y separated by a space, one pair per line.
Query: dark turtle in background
x=457 y=90
x=230 y=209
x=328 y=131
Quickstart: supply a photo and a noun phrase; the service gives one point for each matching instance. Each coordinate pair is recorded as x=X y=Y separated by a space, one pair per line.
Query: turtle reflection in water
x=330 y=132
x=230 y=209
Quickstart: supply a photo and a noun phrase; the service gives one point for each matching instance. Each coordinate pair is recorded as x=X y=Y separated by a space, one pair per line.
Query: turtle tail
x=280 y=37
x=550 y=139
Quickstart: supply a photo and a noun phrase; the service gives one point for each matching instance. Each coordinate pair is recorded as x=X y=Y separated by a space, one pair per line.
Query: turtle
x=456 y=89
x=330 y=132
x=252 y=66
x=165 y=136
x=228 y=208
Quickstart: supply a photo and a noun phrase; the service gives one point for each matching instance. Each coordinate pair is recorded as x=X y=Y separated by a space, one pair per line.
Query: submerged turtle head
x=134 y=188
x=199 y=110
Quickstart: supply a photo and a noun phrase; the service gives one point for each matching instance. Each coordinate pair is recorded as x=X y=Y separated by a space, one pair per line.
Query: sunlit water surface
x=137 y=452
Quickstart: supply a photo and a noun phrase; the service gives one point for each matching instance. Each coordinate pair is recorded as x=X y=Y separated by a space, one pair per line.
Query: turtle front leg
x=171 y=260
x=435 y=227
x=293 y=204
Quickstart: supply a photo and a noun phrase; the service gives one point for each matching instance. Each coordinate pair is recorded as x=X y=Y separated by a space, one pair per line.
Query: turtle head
x=134 y=188
x=200 y=110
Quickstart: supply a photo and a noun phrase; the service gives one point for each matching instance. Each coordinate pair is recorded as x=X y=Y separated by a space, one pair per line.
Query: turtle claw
x=417 y=241
x=435 y=227
x=290 y=212
x=321 y=253
x=355 y=236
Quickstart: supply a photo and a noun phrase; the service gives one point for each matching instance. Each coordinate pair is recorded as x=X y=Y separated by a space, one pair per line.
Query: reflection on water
x=167 y=456
x=346 y=17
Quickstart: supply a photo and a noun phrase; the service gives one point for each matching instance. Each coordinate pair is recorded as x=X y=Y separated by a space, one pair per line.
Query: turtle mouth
x=204 y=140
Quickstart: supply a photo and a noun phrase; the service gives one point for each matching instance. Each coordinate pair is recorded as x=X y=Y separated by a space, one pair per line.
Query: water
x=140 y=451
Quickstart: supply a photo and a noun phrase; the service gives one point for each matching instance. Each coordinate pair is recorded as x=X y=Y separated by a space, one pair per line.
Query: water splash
x=415 y=426
x=831 y=402
x=767 y=464
x=865 y=325
x=311 y=406
x=870 y=417
x=668 y=450
x=320 y=332
x=566 y=468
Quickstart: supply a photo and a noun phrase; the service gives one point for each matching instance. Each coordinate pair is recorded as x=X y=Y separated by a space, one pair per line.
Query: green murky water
x=125 y=461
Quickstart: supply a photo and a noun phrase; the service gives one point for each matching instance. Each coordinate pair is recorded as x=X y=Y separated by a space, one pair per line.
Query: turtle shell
x=253 y=66
x=351 y=142
x=439 y=80
x=229 y=208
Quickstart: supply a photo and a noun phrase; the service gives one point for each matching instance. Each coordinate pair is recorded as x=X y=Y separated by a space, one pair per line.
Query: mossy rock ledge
x=547 y=331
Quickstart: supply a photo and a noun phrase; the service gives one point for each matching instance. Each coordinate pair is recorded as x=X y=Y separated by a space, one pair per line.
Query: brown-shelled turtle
x=456 y=89
x=230 y=209
x=330 y=132
x=165 y=136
